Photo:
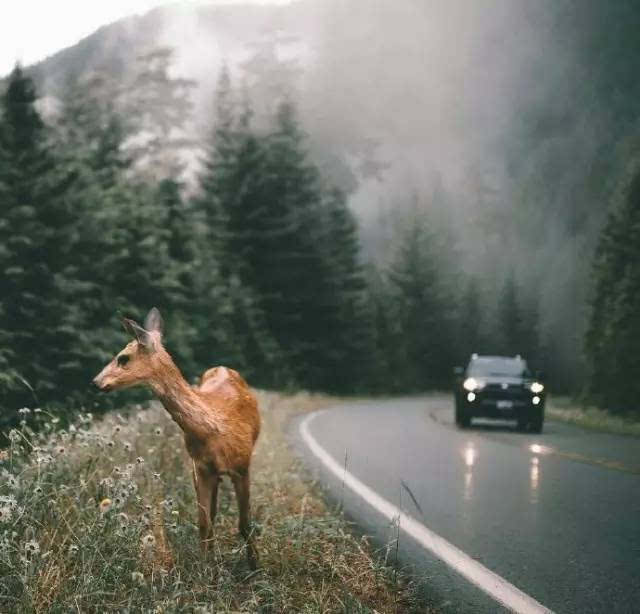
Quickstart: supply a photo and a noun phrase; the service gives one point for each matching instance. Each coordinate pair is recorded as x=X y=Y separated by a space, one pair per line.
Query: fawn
x=219 y=418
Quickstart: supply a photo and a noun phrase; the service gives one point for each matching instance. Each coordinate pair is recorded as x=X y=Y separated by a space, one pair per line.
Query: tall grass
x=100 y=516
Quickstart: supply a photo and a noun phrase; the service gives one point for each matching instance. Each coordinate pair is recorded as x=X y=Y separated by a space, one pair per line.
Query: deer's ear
x=135 y=330
x=153 y=322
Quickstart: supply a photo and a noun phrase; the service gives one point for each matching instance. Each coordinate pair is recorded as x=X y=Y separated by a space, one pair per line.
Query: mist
x=491 y=118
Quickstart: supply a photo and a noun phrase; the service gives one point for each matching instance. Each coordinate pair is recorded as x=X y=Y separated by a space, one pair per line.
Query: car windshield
x=488 y=367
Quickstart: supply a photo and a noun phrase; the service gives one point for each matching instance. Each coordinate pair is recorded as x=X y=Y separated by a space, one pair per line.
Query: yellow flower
x=105 y=505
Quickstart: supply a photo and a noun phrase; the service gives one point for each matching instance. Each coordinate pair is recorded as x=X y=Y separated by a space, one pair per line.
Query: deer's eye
x=123 y=359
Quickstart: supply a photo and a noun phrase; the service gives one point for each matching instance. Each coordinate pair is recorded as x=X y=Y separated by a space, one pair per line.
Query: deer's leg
x=214 y=499
x=241 y=486
x=203 y=481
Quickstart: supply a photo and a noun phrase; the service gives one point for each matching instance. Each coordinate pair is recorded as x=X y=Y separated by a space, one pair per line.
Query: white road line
x=485 y=579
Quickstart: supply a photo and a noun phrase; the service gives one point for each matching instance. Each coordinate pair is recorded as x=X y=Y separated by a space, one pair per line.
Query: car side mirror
x=458 y=371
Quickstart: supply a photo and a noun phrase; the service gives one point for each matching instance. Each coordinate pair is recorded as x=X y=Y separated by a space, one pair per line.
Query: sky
x=31 y=30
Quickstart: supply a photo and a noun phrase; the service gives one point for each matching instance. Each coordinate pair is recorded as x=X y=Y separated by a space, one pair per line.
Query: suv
x=499 y=387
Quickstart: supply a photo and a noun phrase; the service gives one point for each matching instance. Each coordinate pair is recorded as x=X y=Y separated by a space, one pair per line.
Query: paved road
x=557 y=515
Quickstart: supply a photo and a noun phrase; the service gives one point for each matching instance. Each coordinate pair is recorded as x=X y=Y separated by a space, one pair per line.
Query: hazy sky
x=30 y=30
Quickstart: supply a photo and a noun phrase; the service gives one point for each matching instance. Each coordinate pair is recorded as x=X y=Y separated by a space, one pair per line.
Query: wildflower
x=72 y=428
x=106 y=483
x=73 y=550
x=137 y=577
x=24 y=411
x=38 y=490
x=14 y=436
x=5 y=514
x=111 y=443
x=105 y=506
x=116 y=429
x=117 y=470
x=148 y=541
x=55 y=420
x=156 y=476
x=129 y=468
x=119 y=501
x=175 y=513
x=37 y=410
x=12 y=481
x=140 y=460
x=127 y=446
x=61 y=450
x=32 y=548
x=158 y=431
x=147 y=507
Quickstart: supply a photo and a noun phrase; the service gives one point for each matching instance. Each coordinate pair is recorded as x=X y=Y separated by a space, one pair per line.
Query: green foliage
x=421 y=307
x=614 y=327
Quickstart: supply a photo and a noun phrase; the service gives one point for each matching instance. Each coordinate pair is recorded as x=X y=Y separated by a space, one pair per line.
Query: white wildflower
x=106 y=483
x=32 y=548
x=126 y=445
x=140 y=460
x=148 y=541
x=73 y=550
x=8 y=501
x=137 y=578
x=24 y=411
x=14 y=436
x=158 y=431
x=5 y=514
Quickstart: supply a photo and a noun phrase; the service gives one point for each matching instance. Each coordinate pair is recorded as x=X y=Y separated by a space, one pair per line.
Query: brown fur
x=219 y=418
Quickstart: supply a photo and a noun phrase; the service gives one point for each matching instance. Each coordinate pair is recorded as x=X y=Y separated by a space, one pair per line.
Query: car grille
x=497 y=391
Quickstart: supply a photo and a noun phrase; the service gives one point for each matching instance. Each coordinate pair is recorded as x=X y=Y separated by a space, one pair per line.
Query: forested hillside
x=344 y=196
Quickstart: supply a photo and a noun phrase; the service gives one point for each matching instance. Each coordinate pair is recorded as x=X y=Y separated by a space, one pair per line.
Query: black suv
x=499 y=387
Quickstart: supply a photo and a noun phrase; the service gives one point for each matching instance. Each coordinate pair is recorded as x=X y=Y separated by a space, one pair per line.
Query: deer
x=219 y=419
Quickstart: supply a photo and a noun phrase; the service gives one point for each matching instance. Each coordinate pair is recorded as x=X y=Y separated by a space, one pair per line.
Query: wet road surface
x=557 y=515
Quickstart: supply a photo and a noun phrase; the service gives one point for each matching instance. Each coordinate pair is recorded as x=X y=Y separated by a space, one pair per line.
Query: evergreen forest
x=245 y=233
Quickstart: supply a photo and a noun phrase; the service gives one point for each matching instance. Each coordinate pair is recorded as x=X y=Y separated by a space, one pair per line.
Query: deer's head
x=137 y=362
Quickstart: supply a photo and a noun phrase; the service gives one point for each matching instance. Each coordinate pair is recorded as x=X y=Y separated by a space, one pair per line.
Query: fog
x=479 y=113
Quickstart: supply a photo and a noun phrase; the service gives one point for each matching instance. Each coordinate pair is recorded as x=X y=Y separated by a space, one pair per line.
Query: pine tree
x=510 y=323
x=421 y=306
x=226 y=196
x=33 y=228
x=349 y=345
x=471 y=335
x=613 y=335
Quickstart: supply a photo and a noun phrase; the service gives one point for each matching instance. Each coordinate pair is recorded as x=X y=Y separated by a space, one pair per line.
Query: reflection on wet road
x=554 y=514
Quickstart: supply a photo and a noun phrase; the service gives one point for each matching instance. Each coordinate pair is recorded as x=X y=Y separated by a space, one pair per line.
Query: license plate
x=505 y=404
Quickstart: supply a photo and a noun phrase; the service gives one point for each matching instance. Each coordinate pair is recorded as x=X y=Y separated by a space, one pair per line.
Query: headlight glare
x=537 y=387
x=470 y=384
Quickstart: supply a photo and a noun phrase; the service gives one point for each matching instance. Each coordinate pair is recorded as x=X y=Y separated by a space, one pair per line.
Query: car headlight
x=536 y=387
x=471 y=384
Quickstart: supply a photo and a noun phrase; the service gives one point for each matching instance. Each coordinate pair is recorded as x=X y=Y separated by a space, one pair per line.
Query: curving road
x=555 y=516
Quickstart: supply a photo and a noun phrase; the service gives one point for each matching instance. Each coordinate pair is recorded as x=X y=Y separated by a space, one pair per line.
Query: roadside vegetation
x=590 y=417
x=97 y=516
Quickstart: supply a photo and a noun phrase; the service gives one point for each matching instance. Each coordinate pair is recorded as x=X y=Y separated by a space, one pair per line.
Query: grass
x=100 y=517
x=566 y=410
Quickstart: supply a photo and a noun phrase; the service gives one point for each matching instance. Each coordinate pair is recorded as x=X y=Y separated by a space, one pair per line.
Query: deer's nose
x=95 y=385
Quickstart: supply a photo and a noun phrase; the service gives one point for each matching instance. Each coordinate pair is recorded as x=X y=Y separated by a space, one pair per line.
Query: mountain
x=506 y=120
